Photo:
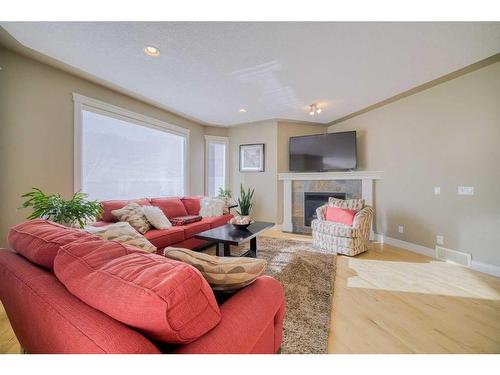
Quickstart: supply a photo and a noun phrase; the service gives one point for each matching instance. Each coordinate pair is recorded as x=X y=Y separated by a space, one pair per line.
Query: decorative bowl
x=241 y=226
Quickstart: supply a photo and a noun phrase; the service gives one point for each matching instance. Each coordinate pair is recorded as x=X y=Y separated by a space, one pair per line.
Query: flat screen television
x=323 y=152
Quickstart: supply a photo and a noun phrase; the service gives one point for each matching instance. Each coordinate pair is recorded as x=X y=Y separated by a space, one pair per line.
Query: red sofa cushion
x=191 y=243
x=171 y=207
x=192 y=204
x=109 y=206
x=167 y=300
x=164 y=237
x=39 y=240
x=340 y=215
x=191 y=229
x=217 y=221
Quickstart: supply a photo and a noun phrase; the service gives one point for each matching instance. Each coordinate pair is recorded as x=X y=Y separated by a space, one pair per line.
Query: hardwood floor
x=390 y=300
x=8 y=341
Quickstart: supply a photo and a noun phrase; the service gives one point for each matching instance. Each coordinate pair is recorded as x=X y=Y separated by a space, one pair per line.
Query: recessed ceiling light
x=151 y=51
x=243 y=110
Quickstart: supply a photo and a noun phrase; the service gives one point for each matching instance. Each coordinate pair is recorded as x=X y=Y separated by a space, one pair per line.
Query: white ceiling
x=208 y=71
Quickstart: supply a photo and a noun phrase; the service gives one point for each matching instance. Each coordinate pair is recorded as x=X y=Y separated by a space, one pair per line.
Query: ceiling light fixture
x=152 y=51
x=243 y=110
x=314 y=110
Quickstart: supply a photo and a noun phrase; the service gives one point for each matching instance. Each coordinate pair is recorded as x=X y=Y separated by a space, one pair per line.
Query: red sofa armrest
x=47 y=319
x=252 y=322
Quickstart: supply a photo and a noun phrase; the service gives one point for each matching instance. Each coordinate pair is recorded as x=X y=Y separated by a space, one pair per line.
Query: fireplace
x=312 y=200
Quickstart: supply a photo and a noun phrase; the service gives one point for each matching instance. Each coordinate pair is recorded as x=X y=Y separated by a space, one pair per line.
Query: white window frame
x=221 y=140
x=84 y=103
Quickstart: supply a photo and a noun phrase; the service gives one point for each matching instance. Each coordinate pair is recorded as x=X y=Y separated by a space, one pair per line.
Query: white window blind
x=217 y=164
x=124 y=160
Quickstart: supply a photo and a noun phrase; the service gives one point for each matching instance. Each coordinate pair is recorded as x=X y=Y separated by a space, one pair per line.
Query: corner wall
x=446 y=136
x=265 y=183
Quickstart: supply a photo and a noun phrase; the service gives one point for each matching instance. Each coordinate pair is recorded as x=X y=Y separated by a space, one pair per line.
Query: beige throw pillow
x=122 y=232
x=210 y=207
x=133 y=214
x=348 y=204
x=156 y=217
x=222 y=273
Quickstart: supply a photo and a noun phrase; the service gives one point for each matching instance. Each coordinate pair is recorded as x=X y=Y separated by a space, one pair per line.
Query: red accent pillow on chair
x=340 y=215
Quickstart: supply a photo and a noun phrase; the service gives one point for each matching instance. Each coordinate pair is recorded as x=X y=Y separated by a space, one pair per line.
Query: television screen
x=323 y=152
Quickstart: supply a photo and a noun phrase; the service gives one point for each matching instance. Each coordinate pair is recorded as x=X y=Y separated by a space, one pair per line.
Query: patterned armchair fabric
x=341 y=238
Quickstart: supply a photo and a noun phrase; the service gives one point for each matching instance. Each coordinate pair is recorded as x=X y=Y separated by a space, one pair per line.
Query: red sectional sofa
x=67 y=291
x=179 y=236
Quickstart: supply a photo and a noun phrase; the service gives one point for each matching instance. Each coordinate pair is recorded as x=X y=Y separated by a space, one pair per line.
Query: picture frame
x=252 y=157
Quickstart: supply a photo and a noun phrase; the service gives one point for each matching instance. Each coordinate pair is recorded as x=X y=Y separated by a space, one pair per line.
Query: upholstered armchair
x=341 y=238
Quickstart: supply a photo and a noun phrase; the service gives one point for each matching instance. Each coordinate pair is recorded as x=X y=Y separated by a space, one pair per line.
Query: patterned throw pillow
x=222 y=273
x=210 y=207
x=183 y=220
x=133 y=214
x=348 y=204
x=156 y=217
x=122 y=232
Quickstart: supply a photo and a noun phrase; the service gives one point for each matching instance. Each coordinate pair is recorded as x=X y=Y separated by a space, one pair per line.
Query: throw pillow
x=122 y=232
x=133 y=214
x=183 y=220
x=210 y=207
x=222 y=273
x=340 y=215
x=156 y=217
x=349 y=204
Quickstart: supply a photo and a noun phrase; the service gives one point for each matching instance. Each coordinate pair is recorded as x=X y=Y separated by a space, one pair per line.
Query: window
x=216 y=156
x=124 y=155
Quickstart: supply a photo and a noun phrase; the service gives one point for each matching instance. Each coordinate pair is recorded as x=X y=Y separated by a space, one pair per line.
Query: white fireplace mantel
x=366 y=177
x=352 y=175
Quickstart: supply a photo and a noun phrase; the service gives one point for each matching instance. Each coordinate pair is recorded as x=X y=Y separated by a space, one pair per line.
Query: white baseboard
x=489 y=269
x=406 y=245
x=277 y=227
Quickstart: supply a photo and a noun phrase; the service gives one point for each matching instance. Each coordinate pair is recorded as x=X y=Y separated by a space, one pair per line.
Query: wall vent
x=453 y=256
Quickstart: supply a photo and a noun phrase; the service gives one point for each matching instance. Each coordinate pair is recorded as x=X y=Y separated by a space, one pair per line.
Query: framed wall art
x=252 y=157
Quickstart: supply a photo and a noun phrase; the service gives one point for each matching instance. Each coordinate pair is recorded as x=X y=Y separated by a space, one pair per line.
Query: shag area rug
x=307 y=276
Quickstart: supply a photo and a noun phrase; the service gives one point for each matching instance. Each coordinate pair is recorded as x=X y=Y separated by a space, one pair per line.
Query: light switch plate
x=437 y=190
x=439 y=240
x=466 y=190
x=401 y=229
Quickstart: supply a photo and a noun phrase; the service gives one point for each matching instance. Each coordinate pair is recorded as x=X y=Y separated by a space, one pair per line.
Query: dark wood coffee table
x=227 y=235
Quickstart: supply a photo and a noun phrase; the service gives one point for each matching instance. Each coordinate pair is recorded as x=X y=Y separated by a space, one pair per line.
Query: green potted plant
x=75 y=212
x=245 y=204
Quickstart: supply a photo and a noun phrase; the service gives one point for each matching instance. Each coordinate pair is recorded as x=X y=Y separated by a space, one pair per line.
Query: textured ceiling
x=208 y=71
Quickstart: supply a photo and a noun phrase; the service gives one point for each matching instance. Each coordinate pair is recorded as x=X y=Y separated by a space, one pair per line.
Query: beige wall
x=36 y=131
x=446 y=136
x=268 y=190
x=264 y=183
x=216 y=131
x=285 y=131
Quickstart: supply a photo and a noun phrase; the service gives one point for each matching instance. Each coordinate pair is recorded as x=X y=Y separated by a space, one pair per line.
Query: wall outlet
x=439 y=240
x=437 y=190
x=401 y=229
x=466 y=190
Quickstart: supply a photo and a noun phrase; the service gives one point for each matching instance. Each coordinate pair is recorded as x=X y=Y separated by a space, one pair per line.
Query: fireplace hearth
x=313 y=200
